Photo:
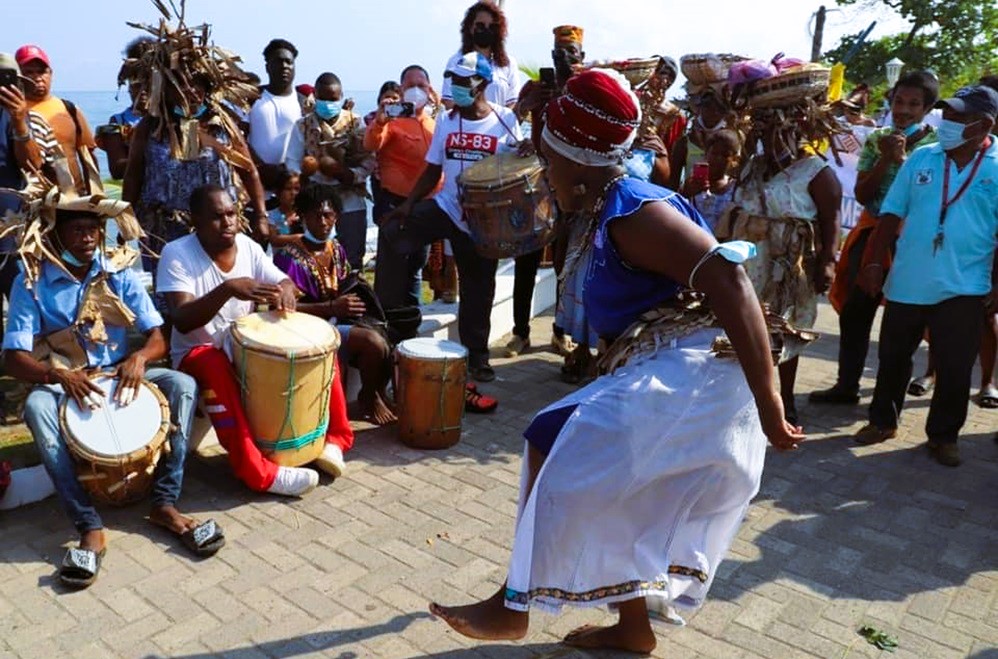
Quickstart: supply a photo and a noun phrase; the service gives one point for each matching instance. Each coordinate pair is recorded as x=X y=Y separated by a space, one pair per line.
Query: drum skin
x=508 y=205
x=123 y=479
x=286 y=364
x=429 y=392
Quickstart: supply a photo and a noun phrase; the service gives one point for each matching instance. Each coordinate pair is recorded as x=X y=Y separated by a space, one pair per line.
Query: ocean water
x=98 y=107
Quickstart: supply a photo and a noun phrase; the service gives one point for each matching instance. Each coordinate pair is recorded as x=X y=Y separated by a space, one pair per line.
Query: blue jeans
x=41 y=413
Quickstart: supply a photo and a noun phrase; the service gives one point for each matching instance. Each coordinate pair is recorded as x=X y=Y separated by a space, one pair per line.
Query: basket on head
x=796 y=85
x=707 y=68
x=637 y=70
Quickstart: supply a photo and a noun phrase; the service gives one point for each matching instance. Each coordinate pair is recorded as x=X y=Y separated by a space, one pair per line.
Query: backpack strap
x=74 y=112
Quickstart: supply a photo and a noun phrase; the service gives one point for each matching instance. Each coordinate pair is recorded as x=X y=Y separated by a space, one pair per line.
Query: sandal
x=988 y=398
x=203 y=540
x=921 y=386
x=478 y=403
x=80 y=567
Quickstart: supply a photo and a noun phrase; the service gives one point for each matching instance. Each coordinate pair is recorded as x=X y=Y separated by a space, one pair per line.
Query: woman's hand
x=347 y=306
x=824 y=273
x=781 y=434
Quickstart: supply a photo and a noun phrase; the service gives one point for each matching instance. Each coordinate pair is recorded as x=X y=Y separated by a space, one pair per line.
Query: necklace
x=597 y=210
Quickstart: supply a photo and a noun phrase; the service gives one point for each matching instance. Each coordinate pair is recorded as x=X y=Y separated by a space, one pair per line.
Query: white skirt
x=644 y=487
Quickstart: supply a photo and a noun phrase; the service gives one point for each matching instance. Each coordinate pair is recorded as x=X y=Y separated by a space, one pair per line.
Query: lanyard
x=947 y=202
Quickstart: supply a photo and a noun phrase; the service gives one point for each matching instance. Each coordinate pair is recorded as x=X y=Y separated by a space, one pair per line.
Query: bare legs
x=632 y=633
x=369 y=351
x=788 y=379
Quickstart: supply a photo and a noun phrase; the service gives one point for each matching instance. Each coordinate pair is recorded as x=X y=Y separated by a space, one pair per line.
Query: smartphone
x=9 y=78
x=701 y=172
x=403 y=109
x=547 y=77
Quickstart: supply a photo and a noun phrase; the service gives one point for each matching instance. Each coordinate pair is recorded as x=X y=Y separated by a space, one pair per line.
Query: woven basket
x=790 y=87
x=707 y=68
x=637 y=71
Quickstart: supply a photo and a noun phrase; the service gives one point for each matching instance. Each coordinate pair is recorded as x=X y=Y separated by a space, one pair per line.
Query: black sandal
x=80 y=567
x=204 y=539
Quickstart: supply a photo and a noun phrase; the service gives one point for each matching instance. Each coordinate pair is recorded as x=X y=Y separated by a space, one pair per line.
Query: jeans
x=955 y=328
x=476 y=274
x=41 y=413
x=351 y=232
x=411 y=264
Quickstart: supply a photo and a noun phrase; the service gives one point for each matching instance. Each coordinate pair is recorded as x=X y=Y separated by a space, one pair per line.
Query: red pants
x=220 y=390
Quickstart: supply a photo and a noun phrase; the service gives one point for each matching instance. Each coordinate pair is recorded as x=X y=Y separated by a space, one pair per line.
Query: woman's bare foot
x=170 y=518
x=488 y=620
x=615 y=637
x=374 y=408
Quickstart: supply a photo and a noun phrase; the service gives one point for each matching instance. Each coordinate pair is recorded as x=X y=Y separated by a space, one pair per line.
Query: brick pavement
x=839 y=536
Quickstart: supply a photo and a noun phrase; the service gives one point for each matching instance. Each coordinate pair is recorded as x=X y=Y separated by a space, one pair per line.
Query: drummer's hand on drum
x=249 y=289
x=79 y=387
x=287 y=298
x=130 y=374
x=347 y=306
x=525 y=149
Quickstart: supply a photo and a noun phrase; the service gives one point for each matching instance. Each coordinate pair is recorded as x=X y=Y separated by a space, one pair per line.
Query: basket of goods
x=792 y=85
x=707 y=68
x=637 y=70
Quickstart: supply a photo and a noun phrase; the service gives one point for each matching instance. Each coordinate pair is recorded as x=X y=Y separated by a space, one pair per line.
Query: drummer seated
x=51 y=310
x=318 y=266
x=210 y=279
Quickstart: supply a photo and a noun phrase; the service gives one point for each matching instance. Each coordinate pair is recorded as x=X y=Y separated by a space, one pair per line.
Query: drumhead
x=498 y=170
x=277 y=333
x=112 y=430
x=432 y=349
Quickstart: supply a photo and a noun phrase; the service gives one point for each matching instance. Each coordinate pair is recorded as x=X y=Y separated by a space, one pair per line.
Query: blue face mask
x=201 y=109
x=328 y=109
x=950 y=134
x=912 y=129
x=67 y=257
x=310 y=237
x=463 y=96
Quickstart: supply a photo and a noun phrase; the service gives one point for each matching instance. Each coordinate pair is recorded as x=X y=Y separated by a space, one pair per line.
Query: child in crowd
x=284 y=218
x=712 y=192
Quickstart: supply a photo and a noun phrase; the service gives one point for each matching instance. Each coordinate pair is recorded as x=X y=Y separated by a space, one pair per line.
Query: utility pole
x=819 y=34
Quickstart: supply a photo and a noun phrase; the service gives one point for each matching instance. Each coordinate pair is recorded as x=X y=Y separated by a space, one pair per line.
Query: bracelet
x=22 y=138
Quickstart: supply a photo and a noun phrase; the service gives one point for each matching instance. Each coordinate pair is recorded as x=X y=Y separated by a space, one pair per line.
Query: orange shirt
x=401 y=146
x=57 y=115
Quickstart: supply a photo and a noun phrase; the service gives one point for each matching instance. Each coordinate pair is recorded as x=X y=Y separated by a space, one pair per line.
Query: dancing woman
x=635 y=485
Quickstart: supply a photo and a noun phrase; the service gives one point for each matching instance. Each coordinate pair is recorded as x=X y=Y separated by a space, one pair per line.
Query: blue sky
x=368 y=42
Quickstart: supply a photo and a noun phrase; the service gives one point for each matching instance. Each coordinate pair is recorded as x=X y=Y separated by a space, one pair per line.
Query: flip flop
x=921 y=386
x=203 y=540
x=80 y=567
x=988 y=398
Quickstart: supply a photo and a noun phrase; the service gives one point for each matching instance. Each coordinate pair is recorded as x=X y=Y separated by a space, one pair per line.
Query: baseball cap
x=30 y=52
x=471 y=65
x=8 y=62
x=976 y=99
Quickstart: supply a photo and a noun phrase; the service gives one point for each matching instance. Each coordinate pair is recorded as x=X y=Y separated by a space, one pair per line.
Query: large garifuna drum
x=429 y=392
x=116 y=447
x=286 y=364
x=508 y=205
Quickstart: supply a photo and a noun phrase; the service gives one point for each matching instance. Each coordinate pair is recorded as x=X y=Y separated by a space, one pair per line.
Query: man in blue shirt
x=943 y=273
x=51 y=312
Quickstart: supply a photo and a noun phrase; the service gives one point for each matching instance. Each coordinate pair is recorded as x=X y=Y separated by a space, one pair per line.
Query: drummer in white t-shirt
x=211 y=278
x=483 y=30
x=474 y=130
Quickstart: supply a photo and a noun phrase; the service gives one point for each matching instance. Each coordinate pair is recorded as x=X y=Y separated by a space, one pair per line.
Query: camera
x=403 y=109
x=547 y=77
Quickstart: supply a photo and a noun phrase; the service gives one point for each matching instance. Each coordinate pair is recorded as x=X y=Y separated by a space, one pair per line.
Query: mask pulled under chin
x=308 y=236
x=68 y=258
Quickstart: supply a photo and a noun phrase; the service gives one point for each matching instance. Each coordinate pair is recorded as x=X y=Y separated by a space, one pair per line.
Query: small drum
x=429 y=392
x=117 y=448
x=286 y=364
x=508 y=205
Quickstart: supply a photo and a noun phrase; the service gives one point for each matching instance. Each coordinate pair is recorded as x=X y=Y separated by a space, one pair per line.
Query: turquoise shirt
x=54 y=304
x=962 y=265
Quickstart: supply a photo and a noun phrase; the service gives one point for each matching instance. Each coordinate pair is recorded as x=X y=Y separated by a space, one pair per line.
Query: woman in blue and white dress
x=634 y=486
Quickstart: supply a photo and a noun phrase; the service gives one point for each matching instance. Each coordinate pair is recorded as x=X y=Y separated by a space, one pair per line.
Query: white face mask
x=417 y=97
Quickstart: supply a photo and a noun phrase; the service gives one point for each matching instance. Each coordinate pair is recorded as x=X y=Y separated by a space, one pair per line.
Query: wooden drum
x=429 y=392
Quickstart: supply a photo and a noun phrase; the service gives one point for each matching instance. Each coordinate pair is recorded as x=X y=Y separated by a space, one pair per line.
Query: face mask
x=177 y=110
x=328 y=109
x=310 y=237
x=483 y=38
x=464 y=97
x=67 y=257
x=912 y=129
x=950 y=134
x=417 y=97
x=721 y=125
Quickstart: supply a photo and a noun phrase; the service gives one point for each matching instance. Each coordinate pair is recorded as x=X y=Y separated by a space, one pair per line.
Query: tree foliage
x=954 y=38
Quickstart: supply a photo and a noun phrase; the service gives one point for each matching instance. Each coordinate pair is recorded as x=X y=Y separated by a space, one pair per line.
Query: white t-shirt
x=505 y=86
x=271 y=119
x=184 y=267
x=458 y=143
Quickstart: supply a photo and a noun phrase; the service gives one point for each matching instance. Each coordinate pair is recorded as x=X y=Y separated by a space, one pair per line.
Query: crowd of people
x=675 y=221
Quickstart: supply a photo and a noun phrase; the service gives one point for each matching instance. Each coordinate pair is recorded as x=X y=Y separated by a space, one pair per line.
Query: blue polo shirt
x=962 y=265
x=53 y=305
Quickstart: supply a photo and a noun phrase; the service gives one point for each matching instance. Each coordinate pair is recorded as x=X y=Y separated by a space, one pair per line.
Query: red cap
x=30 y=52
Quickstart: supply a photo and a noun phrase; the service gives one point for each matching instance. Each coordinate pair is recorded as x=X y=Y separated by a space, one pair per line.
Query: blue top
x=962 y=265
x=54 y=304
x=169 y=182
x=127 y=117
x=617 y=294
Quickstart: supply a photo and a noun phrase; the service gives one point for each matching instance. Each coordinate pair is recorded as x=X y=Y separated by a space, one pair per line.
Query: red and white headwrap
x=595 y=121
